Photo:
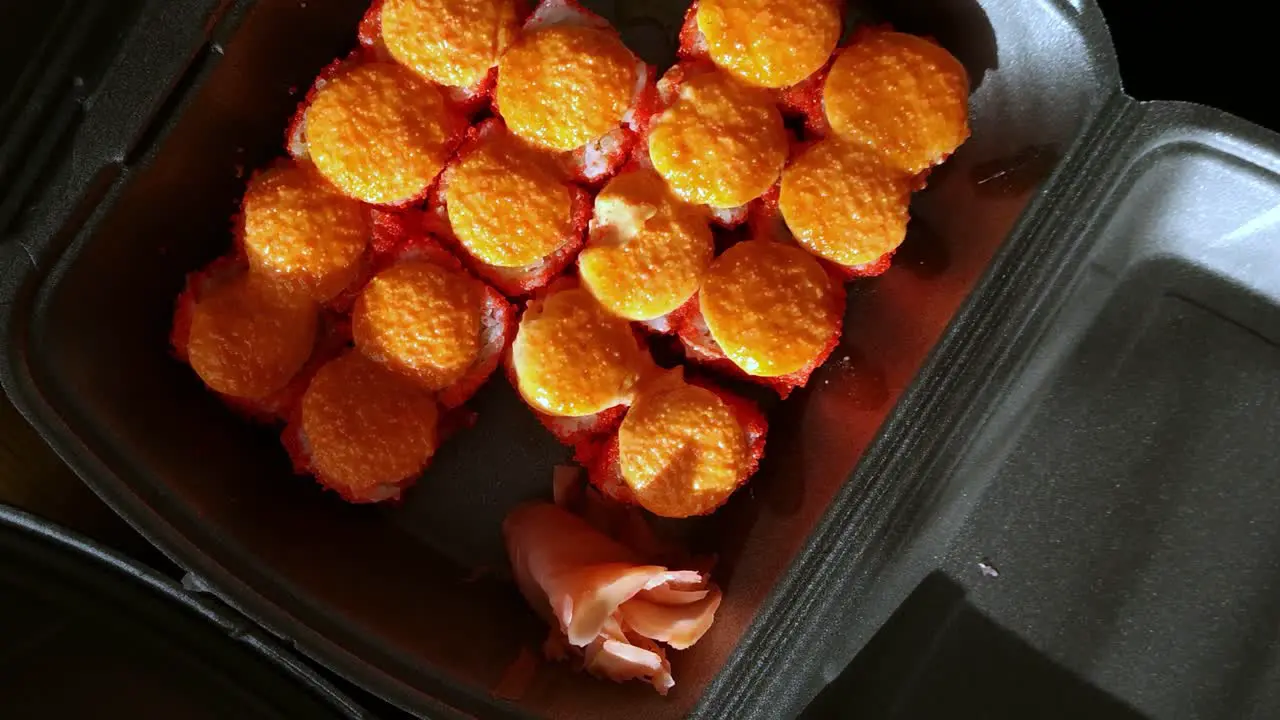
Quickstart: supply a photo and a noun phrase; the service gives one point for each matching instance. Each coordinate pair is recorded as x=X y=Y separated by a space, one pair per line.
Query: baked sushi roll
x=298 y=230
x=376 y=131
x=452 y=43
x=682 y=449
x=647 y=250
x=766 y=43
x=717 y=142
x=768 y=312
x=900 y=95
x=363 y=430
x=245 y=339
x=569 y=85
x=846 y=206
x=575 y=364
x=509 y=210
x=432 y=322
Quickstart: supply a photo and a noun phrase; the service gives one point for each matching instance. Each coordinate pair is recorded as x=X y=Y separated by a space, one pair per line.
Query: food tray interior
x=409 y=600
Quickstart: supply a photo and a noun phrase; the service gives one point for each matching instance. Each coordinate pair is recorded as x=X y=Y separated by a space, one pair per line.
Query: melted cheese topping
x=423 y=321
x=721 y=143
x=302 y=233
x=564 y=86
x=508 y=204
x=450 y=42
x=771 y=43
x=572 y=358
x=771 y=307
x=901 y=96
x=379 y=133
x=842 y=203
x=365 y=426
x=682 y=450
x=248 y=340
x=648 y=250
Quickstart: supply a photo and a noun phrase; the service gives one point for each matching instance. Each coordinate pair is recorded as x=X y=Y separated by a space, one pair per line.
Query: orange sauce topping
x=771 y=43
x=572 y=358
x=422 y=320
x=682 y=450
x=379 y=133
x=365 y=426
x=844 y=204
x=508 y=203
x=720 y=143
x=648 y=249
x=248 y=339
x=564 y=86
x=771 y=307
x=302 y=233
x=901 y=96
x=450 y=42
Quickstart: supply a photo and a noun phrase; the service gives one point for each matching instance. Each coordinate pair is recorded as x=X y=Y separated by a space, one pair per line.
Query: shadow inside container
x=939 y=657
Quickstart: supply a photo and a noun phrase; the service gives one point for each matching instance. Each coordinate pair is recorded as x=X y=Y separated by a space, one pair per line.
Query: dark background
x=1215 y=53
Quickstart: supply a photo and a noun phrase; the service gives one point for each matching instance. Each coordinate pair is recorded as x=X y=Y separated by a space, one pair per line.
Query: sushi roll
x=718 y=143
x=510 y=211
x=647 y=250
x=767 y=43
x=569 y=85
x=452 y=43
x=243 y=337
x=434 y=324
x=363 y=430
x=768 y=312
x=683 y=448
x=376 y=131
x=899 y=95
x=575 y=364
x=298 y=230
x=845 y=205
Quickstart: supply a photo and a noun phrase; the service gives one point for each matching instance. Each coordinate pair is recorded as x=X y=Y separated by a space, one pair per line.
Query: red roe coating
x=599 y=153
x=765 y=221
x=364 y=431
x=511 y=281
x=245 y=338
x=606 y=469
x=376 y=131
x=768 y=43
x=716 y=142
x=902 y=96
x=332 y=335
x=299 y=231
x=702 y=349
x=476 y=94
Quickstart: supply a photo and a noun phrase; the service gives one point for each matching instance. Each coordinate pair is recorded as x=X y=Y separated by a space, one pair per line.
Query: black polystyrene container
x=88 y=633
x=921 y=449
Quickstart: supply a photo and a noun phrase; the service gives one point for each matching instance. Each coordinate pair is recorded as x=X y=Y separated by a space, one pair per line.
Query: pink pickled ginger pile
x=606 y=605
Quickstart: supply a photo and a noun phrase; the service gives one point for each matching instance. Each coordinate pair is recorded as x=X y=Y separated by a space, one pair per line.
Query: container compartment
x=405 y=600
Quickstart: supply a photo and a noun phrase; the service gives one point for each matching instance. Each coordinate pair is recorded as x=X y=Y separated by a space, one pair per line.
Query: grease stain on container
x=1017 y=174
x=852 y=381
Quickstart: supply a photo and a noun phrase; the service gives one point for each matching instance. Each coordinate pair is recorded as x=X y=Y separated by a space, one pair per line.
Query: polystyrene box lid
x=87 y=634
x=1099 y=537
